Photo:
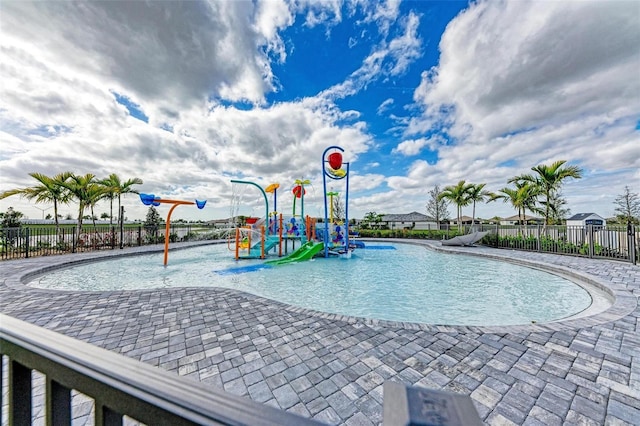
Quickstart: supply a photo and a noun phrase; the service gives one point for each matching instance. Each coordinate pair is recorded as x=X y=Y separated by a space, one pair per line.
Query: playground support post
x=346 y=210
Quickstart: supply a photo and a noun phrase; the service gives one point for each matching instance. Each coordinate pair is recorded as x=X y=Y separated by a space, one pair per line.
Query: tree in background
x=49 y=190
x=522 y=198
x=477 y=193
x=549 y=179
x=437 y=208
x=11 y=218
x=116 y=188
x=10 y=226
x=151 y=224
x=86 y=190
x=372 y=218
x=458 y=195
x=628 y=207
x=559 y=209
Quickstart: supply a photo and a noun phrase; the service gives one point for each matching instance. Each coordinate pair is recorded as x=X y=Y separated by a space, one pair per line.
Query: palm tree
x=49 y=190
x=95 y=192
x=549 y=180
x=478 y=193
x=458 y=195
x=116 y=188
x=522 y=197
x=87 y=191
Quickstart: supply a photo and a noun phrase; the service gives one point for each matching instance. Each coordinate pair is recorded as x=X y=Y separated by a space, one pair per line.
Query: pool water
x=409 y=283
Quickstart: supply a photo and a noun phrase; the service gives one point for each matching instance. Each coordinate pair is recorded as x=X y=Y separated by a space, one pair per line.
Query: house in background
x=583 y=228
x=584 y=219
x=413 y=220
x=464 y=220
x=515 y=220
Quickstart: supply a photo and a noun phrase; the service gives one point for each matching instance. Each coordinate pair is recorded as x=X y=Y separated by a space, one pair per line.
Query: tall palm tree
x=110 y=185
x=458 y=195
x=478 y=193
x=86 y=190
x=95 y=192
x=49 y=190
x=522 y=198
x=116 y=188
x=549 y=179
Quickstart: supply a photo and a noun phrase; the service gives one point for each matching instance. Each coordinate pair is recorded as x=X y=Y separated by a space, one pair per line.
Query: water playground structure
x=152 y=200
x=276 y=234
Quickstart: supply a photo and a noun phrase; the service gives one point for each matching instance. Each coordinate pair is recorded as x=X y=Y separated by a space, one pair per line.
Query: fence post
x=26 y=242
x=538 y=239
x=121 y=219
x=73 y=240
x=631 y=239
x=590 y=232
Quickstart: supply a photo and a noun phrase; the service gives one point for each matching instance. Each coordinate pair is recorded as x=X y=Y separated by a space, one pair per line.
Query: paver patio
x=331 y=367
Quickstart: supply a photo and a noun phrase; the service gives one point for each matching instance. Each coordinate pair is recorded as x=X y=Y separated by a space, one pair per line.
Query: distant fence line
x=31 y=241
x=611 y=242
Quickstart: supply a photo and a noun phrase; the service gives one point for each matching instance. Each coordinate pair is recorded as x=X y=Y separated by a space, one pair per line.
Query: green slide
x=305 y=252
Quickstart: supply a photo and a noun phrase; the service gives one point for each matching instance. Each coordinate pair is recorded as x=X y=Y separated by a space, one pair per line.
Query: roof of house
x=410 y=217
x=516 y=217
x=463 y=218
x=583 y=216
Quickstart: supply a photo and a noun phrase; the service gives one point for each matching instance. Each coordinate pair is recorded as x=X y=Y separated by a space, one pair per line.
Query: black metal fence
x=29 y=241
x=610 y=242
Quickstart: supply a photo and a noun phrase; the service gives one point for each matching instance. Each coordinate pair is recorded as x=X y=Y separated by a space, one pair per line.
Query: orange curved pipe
x=175 y=203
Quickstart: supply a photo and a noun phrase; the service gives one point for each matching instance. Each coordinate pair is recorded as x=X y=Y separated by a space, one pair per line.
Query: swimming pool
x=404 y=283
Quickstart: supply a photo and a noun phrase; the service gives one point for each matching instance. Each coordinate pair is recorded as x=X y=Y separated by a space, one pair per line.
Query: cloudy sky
x=189 y=95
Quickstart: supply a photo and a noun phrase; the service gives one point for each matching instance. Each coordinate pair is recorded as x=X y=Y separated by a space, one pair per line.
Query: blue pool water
x=410 y=283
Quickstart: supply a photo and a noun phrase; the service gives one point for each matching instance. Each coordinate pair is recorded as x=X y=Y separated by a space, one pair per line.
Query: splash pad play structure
x=152 y=200
x=281 y=239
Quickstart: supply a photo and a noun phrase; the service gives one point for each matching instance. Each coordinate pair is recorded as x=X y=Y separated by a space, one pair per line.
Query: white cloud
x=327 y=12
x=169 y=53
x=382 y=13
x=413 y=147
x=272 y=17
x=385 y=105
x=388 y=59
x=510 y=66
x=524 y=83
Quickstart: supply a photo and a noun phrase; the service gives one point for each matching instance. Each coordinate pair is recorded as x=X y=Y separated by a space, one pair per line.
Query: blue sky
x=189 y=95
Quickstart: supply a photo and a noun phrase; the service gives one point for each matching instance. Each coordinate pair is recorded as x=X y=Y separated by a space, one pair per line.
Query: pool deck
x=331 y=367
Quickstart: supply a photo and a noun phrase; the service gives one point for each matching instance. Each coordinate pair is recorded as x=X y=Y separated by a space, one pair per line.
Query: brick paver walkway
x=330 y=367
